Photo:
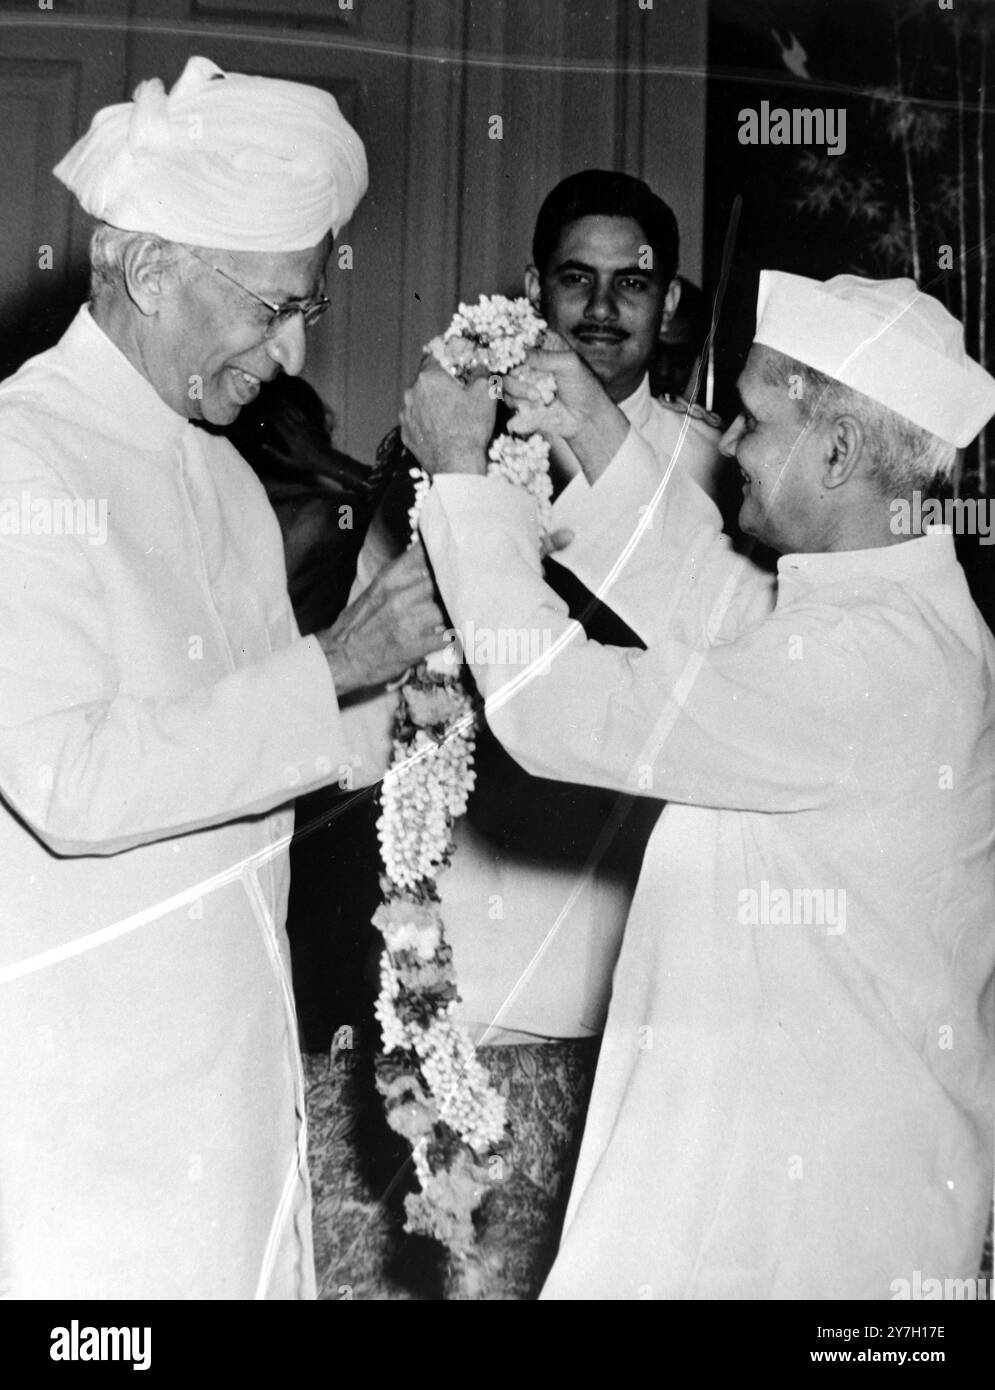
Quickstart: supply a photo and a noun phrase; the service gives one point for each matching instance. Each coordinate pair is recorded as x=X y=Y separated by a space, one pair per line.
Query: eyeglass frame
x=280 y=314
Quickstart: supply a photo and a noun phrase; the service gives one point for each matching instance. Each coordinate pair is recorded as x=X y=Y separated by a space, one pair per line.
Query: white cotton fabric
x=224 y=160
x=544 y=966
x=158 y=713
x=534 y=943
x=884 y=338
x=780 y=1111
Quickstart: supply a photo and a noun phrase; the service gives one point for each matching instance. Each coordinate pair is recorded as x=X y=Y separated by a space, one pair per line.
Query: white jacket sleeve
x=649 y=543
x=740 y=725
x=93 y=769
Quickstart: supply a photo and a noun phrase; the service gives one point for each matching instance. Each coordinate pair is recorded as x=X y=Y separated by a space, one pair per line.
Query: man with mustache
x=604 y=276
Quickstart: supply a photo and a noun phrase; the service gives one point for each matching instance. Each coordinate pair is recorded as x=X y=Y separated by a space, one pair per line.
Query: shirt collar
x=912 y=562
x=130 y=399
x=638 y=407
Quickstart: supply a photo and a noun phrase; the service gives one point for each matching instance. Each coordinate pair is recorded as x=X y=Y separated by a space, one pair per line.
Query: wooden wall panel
x=55 y=70
x=671 y=119
x=431 y=186
x=38 y=101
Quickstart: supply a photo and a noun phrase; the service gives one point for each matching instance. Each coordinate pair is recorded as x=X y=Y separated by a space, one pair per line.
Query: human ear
x=845 y=441
x=670 y=301
x=533 y=290
x=149 y=273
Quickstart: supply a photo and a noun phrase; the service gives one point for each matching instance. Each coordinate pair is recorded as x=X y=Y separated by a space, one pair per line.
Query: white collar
x=908 y=562
x=638 y=407
x=138 y=411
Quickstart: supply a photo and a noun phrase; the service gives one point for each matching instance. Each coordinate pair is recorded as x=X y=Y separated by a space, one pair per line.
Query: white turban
x=885 y=339
x=242 y=163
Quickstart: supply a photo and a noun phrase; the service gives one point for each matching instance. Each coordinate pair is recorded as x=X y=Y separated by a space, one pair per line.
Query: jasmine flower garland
x=437 y=1094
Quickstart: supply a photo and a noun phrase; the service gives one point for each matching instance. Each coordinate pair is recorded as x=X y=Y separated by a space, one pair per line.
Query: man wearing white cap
x=159 y=711
x=794 y=1095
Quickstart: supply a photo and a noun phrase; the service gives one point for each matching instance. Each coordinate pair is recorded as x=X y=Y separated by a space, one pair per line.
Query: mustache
x=596 y=330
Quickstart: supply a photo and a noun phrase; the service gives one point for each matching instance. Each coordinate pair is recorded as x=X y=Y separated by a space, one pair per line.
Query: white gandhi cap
x=884 y=338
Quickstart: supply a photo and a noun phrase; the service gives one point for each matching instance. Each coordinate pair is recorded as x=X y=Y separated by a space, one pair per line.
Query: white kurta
x=157 y=710
x=535 y=941
x=790 y=1102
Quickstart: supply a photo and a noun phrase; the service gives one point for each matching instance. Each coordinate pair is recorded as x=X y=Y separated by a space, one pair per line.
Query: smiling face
x=782 y=459
x=595 y=294
x=206 y=350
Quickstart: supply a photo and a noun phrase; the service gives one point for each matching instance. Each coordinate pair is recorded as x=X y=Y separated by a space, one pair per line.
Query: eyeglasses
x=280 y=314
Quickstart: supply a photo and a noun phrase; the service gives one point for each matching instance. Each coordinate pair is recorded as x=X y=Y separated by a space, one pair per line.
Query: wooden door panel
x=55 y=70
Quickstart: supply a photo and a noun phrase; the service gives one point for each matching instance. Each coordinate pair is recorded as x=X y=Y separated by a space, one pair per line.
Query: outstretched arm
x=737 y=725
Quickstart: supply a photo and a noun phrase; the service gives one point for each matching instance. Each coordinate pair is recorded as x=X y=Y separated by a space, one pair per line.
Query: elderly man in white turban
x=794 y=1096
x=159 y=711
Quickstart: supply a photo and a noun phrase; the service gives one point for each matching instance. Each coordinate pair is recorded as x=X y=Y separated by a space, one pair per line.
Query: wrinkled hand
x=445 y=425
x=391 y=626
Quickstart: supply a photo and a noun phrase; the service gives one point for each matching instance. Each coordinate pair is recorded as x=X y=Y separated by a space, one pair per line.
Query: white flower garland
x=437 y=1093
